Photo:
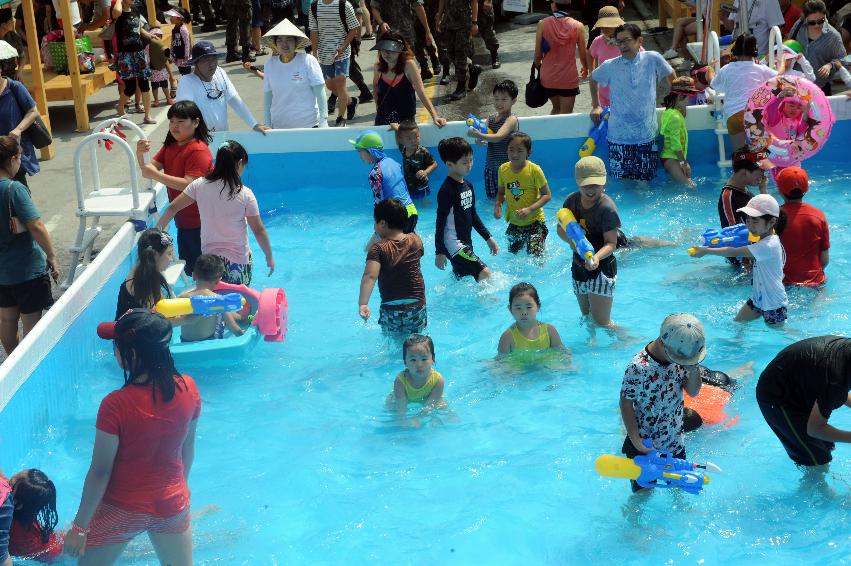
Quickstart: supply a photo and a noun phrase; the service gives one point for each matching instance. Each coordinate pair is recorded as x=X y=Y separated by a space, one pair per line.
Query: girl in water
x=419 y=382
x=527 y=333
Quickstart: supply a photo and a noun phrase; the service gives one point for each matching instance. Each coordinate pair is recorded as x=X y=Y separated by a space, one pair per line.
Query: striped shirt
x=330 y=29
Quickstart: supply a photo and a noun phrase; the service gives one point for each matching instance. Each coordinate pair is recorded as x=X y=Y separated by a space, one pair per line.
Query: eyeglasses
x=815 y=22
x=624 y=41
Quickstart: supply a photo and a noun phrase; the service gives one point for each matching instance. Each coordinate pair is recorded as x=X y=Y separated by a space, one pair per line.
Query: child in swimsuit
x=32 y=535
x=527 y=333
x=418 y=161
x=499 y=126
x=207 y=274
x=419 y=382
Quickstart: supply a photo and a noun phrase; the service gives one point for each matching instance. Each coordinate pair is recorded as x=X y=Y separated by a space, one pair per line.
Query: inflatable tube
x=789 y=140
x=716 y=390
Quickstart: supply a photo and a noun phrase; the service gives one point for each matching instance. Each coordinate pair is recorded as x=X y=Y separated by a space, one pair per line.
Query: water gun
x=657 y=470
x=575 y=232
x=596 y=135
x=735 y=236
x=200 y=304
x=477 y=123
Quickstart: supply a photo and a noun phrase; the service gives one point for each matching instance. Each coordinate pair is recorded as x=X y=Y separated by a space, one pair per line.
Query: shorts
x=736 y=123
x=237 y=273
x=30 y=296
x=633 y=161
x=6 y=511
x=551 y=92
x=403 y=321
x=466 y=262
x=791 y=428
x=218 y=332
x=772 y=317
x=114 y=525
x=532 y=237
x=418 y=194
x=189 y=247
x=602 y=285
x=630 y=452
x=134 y=65
x=336 y=69
x=412 y=224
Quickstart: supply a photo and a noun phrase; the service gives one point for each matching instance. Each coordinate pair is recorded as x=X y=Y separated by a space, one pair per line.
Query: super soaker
x=477 y=123
x=596 y=135
x=735 y=236
x=200 y=304
x=657 y=470
x=575 y=232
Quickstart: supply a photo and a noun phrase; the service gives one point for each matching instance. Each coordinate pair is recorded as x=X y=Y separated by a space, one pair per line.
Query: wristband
x=75 y=528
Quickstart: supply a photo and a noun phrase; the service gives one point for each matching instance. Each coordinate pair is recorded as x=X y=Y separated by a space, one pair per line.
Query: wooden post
x=37 y=75
x=185 y=5
x=81 y=109
x=152 y=13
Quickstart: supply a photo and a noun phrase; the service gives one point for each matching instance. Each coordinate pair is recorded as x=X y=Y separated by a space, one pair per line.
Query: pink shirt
x=602 y=51
x=224 y=231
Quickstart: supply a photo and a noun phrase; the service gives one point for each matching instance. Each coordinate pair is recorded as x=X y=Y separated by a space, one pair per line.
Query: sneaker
x=475 y=71
x=444 y=80
x=368 y=37
x=671 y=54
x=365 y=97
x=332 y=103
x=208 y=26
x=351 y=108
x=232 y=56
x=495 y=62
x=425 y=74
x=459 y=93
x=246 y=58
x=340 y=123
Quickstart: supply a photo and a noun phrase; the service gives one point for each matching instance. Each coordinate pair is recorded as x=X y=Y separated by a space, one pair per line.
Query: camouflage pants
x=486 y=22
x=456 y=47
x=238 y=13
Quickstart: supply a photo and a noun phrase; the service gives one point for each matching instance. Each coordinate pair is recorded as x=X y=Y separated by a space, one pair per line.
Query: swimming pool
x=297 y=461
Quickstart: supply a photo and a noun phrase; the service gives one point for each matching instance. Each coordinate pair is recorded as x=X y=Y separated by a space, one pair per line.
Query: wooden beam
x=152 y=13
x=81 y=109
x=37 y=76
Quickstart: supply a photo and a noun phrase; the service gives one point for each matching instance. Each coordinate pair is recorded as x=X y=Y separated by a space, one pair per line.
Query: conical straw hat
x=287 y=28
x=7 y=51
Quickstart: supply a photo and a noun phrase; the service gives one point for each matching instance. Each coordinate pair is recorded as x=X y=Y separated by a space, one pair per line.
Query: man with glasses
x=210 y=88
x=632 y=80
x=822 y=43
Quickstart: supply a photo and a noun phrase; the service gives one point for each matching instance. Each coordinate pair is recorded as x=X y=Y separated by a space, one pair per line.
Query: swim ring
x=708 y=408
x=788 y=140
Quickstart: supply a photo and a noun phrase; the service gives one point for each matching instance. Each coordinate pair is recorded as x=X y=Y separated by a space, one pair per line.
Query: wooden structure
x=675 y=9
x=48 y=86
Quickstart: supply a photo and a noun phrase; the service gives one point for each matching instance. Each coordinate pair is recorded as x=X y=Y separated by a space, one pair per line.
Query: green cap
x=794 y=45
x=370 y=139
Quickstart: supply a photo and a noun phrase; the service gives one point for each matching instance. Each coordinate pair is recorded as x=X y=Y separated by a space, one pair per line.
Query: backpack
x=314 y=8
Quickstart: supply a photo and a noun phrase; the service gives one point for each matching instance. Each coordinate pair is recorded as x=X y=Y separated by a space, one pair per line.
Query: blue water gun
x=200 y=304
x=575 y=232
x=596 y=135
x=735 y=236
x=477 y=123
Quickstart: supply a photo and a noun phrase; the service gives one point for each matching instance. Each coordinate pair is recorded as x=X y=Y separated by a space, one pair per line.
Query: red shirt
x=805 y=237
x=147 y=474
x=193 y=159
x=25 y=542
x=792 y=14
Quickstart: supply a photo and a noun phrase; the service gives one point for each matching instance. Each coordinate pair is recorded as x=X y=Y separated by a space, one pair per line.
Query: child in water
x=675 y=133
x=418 y=161
x=208 y=273
x=500 y=125
x=768 y=298
x=419 y=382
x=32 y=534
x=527 y=333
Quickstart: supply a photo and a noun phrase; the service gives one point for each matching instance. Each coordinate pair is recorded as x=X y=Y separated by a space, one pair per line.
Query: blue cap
x=202 y=49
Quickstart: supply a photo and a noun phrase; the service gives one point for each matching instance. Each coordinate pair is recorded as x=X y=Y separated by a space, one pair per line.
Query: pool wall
x=39 y=382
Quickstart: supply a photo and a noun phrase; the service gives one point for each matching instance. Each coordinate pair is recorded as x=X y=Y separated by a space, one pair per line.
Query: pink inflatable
x=269 y=308
x=790 y=117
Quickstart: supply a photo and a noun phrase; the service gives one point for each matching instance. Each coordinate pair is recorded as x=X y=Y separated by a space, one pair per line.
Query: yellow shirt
x=521 y=190
x=418 y=393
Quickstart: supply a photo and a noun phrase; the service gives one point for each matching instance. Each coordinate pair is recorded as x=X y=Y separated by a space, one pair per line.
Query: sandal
x=155 y=103
x=172 y=92
x=263 y=51
x=149 y=121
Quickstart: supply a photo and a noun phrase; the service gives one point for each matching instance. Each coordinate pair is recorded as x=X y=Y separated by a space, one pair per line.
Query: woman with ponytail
x=143 y=451
x=226 y=205
x=145 y=285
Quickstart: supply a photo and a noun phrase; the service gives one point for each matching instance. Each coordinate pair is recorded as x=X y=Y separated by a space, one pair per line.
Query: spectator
x=17 y=113
x=399 y=15
x=210 y=88
x=456 y=21
x=332 y=30
x=26 y=252
x=822 y=43
x=100 y=15
x=846 y=33
x=556 y=41
x=604 y=47
x=683 y=28
x=791 y=14
x=762 y=16
x=632 y=80
x=133 y=64
x=238 y=14
x=806 y=238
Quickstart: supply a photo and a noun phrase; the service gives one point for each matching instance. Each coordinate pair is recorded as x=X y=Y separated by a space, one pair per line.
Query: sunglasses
x=815 y=22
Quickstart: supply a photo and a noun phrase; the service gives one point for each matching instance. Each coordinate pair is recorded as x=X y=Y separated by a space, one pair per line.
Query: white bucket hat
x=287 y=28
x=7 y=51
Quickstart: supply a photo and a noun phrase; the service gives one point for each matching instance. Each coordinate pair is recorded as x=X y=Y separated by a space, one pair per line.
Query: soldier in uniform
x=486 y=21
x=421 y=49
x=238 y=13
x=457 y=21
x=399 y=15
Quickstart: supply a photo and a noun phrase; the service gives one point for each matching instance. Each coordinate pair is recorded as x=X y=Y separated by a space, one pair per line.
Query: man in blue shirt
x=632 y=80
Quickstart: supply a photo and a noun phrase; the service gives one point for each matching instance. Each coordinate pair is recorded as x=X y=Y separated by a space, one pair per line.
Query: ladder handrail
x=120 y=142
x=775 y=39
x=107 y=124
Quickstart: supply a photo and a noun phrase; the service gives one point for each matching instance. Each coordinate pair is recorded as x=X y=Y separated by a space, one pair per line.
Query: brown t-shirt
x=400 y=280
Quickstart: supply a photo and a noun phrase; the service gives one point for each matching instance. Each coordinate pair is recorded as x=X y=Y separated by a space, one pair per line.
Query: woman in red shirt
x=144 y=448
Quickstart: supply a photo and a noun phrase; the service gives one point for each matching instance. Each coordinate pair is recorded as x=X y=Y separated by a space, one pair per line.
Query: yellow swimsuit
x=542 y=342
x=418 y=393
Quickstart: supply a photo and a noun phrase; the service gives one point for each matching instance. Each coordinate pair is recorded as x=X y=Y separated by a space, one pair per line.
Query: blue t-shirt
x=21 y=256
x=388 y=181
x=15 y=101
x=632 y=87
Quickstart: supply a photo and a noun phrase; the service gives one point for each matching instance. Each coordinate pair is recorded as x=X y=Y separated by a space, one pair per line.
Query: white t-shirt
x=214 y=110
x=291 y=85
x=762 y=16
x=224 y=231
x=737 y=80
x=768 y=290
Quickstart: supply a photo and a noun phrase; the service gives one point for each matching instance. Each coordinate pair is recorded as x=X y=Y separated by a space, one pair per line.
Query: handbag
x=37 y=133
x=15 y=225
x=536 y=94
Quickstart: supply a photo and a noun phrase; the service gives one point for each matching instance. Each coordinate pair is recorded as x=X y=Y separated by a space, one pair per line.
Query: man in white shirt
x=210 y=88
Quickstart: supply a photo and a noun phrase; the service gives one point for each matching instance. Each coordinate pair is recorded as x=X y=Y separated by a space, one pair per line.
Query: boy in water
x=207 y=274
x=747 y=171
x=394 y=261
x=457 y=216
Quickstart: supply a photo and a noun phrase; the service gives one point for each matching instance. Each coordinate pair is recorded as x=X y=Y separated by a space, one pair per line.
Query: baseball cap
x=590 y=171
x=760 y=205
x=370 y=139
x=141 y=327
x=793 y=182
x=608 y=17
x=683 y=339
x=203 y=49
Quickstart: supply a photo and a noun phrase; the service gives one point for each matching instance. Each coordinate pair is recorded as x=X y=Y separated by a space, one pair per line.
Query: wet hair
x=35 y=503
x=808 y=7
x=208 y=267
x=9 y=148
x=149 y=285
x=188 y=110
x=633 y=30
x=154 y=362
x=404 y=56
x=393 y=212
x=672 y=98
x=453 y=149
x=187 y=17
x=782 y=220
x=508 y=87
x=524 y=138
x=416 y=339
x=744 y=46
x=743 y=159
x=524 y=289
x=225 y=168
x=406 y=126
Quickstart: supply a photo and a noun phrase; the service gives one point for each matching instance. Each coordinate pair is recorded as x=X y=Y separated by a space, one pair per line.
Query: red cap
x=793 y=182
x=106 y=330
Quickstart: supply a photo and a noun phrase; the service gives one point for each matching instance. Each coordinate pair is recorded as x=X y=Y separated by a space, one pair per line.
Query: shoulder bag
x=536 y=94
x=37 y=132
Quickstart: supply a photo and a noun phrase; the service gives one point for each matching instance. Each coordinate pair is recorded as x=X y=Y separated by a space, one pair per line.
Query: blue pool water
x=298 y=462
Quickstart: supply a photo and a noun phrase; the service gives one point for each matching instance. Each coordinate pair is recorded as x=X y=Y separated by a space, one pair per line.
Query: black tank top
x=396 y=102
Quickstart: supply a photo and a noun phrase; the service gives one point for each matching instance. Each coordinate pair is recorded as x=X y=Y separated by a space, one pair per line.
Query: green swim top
x=418 y=393
x=542 y=342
